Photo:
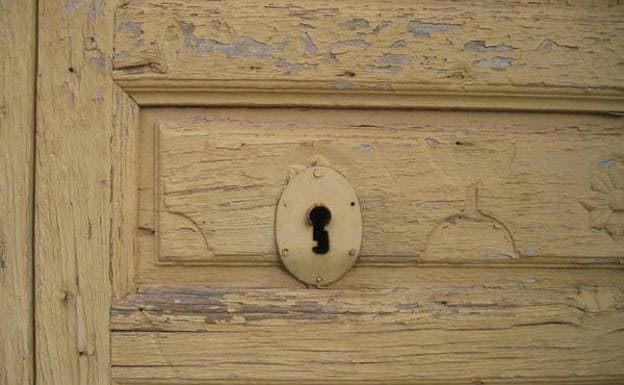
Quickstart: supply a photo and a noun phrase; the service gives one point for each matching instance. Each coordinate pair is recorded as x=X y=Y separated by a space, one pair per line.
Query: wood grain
x=84 y=129
x=410 y=325
x=527 y=186
x=17 y=110
x=556 y=55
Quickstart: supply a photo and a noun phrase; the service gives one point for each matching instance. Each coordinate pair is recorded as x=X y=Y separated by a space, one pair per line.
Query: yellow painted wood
x=430 y=54
x=406 y=325
x=17 y=109
x=108 y=310
x=527 y=186
x=84 y=193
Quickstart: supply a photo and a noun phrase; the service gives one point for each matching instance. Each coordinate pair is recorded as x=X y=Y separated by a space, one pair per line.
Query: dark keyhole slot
x=319 y=218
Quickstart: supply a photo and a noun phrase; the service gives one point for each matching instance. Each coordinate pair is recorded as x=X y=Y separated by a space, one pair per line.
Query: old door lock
x=318 y=226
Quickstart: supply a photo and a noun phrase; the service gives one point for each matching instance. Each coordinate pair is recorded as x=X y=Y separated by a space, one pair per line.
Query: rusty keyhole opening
x=319 y=217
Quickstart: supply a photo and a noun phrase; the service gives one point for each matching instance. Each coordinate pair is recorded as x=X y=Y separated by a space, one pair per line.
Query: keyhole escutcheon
x=319 y=217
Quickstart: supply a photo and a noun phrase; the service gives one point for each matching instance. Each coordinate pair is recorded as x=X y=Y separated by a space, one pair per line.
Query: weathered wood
x=556 y=198
x=124 y=191
x=530 y=188
x=439 y=324
x=82 y=205
x=17 y=109
x=514 y=54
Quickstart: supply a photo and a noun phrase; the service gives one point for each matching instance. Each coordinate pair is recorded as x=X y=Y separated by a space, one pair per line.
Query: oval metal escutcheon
x=318 y=226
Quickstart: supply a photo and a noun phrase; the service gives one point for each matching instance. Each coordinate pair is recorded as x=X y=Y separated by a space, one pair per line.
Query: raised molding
x=257 y=93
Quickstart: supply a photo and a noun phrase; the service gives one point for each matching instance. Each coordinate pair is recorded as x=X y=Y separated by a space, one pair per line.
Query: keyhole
x=319 y=218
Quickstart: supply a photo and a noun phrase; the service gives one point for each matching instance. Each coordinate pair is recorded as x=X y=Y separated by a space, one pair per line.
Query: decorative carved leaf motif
x=606 y=201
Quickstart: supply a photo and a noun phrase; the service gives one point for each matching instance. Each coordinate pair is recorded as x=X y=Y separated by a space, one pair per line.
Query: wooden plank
x=556 y=55
x=435 y=187
x=17 y=109
x=409 y=324
x=84 y=125
x=124 y=191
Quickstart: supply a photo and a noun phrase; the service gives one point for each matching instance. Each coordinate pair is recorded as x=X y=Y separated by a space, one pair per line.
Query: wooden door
x=484 y=141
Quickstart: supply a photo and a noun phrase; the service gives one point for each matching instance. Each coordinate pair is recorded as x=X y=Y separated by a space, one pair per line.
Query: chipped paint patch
x=343 y=46
x=354 y=24
x=502 y=256
x=549 y=45
x=99 y=95
x=498 y=63
x=71 y=7
x=420 y=29
x=606 y=163
x=481 y=46
x=344 y=86
x=309 y=46
x=293 y=68
x=365 y=147
x=96 y=10
x=102 y=61
x=132 y=27
x=243 y=47
x=395 y=59
x=433 y=143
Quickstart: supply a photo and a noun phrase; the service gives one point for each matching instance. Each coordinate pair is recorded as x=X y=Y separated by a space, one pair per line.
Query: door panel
x=407 y=325
x=527 y=184
x=483 y=139
x=512 y=194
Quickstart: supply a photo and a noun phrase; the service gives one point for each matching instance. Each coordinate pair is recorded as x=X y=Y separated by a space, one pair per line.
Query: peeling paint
x=606 y=163
x=549 y=45
x=71 y=7
x=479 y=45
x=133 y=27
x=293 y=68
x=99 y=95
x=433 y=143
x=395 y=59
x=310 y=48
x=96 y=10
x=354 y=24
x=498 y=63
x=365 y=147
x=420 y=29
x=343 y=46
x=121 y=55
x=102 y=61
x=244 y=47
x=344 y=86
x=529 y=252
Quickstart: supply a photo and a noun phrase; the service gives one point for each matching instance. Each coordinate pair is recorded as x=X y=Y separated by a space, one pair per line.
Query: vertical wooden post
x=17 y=90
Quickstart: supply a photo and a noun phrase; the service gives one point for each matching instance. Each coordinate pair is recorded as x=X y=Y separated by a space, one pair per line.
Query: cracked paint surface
x=433 y=43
